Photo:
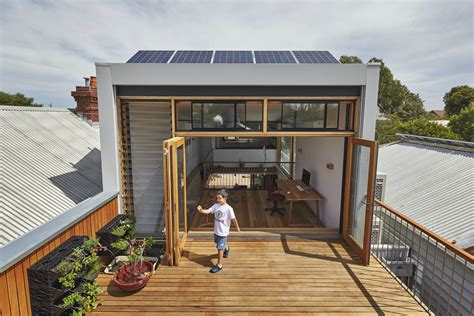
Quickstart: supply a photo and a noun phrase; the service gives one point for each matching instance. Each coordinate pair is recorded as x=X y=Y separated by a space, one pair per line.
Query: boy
x=224 y=216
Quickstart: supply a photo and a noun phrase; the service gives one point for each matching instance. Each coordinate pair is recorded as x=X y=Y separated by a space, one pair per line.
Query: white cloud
x=48 y=46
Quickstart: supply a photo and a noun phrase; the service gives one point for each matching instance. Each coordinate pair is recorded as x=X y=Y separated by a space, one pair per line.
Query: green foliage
x=120 y=244
x=72 y=299
x=68 y=281
x=458 y=98
x=386 y=130
x=344 y=59
x=63 y=267
x=463 y=123
x=17 y=99
x=89 y=244
x=119 y=231
x=90 y=290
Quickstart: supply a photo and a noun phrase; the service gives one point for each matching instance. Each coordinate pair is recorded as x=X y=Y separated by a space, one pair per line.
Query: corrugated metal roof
x=432 y=185
x=49 y=162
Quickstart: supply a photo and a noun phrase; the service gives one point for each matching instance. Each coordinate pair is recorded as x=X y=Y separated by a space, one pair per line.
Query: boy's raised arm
x=203 y=211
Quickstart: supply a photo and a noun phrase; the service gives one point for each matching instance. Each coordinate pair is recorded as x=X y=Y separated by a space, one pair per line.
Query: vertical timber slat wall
x=14 y=290
x=126 y=156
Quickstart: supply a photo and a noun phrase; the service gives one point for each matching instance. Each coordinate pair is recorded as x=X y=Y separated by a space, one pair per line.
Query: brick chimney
x=86 y=99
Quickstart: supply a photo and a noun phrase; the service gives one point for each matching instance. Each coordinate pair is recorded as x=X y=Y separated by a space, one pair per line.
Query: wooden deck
x=265 y=275
x=249 y=208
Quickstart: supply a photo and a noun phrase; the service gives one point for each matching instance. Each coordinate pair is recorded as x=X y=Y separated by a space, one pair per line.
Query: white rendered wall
x=108 y=130
x=244 y=155
x=316 y=153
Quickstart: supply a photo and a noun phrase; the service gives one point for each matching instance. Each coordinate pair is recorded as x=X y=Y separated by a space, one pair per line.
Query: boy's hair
x=223 y=193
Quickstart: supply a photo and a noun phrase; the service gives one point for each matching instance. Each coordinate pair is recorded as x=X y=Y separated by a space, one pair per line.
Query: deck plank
x=273 y=276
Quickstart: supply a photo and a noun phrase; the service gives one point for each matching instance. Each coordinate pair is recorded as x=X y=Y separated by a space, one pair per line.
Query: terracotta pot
x=126 y=281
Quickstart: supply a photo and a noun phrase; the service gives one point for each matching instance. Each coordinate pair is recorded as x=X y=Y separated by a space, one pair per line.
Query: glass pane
x=254 y=115
x=331 y=116
x=303 y=115
x=181 y=202
x=218 y=115
x=358 y=198
x=285 y=153
x=240 y=120
x=183 y=112
x=274 y=115
x=197 y=112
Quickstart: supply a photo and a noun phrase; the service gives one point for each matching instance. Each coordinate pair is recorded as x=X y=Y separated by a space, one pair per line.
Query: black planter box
x=105 y=236
x=42 y=279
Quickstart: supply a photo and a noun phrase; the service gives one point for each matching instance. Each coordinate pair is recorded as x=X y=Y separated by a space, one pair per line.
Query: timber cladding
x=14 y=290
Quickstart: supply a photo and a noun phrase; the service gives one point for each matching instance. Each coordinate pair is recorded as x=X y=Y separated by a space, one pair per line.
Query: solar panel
x=315 y=57
x=192 y=57
x=151 y=56
x=274 y=57
x=233 y=57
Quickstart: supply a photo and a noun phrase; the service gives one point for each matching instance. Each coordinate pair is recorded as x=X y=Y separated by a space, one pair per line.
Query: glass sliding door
x=361 y=167
x=174 y=163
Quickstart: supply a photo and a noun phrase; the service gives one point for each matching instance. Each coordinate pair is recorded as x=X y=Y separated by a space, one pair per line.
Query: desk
x=291 y=193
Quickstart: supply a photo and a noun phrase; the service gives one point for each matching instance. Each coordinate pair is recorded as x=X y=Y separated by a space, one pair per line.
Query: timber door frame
x=174 y=244
x=364 y=251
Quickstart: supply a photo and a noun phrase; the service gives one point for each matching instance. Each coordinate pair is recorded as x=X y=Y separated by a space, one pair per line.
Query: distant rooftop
x=233 y=57
x=49 y=162
x=431 y=181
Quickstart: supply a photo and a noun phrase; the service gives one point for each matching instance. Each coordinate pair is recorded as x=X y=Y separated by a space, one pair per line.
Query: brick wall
x=86 y=100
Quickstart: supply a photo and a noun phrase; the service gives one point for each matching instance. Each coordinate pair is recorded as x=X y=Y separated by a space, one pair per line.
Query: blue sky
x=46 y=47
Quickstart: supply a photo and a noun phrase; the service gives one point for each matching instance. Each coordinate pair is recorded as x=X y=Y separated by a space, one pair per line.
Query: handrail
x=457 y=250
x=26 y=244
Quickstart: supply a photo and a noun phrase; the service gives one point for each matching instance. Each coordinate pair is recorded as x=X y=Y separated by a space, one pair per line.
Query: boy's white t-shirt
x=223 y=214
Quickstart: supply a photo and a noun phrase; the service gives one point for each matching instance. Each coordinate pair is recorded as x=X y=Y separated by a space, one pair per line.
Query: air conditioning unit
x=380 y=184
x=376 y=235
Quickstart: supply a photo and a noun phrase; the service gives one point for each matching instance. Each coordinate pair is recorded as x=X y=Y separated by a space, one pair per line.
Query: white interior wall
x=313 y=154
x=257 y=155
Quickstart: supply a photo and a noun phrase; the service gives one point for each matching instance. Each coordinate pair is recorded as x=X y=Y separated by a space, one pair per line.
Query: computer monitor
x=306 y=177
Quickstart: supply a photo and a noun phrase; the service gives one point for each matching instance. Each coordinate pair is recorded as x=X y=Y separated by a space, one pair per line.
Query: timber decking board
x=274 y=276
x=249 y=208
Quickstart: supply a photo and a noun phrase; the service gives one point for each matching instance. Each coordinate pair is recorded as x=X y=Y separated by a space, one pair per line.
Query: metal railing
x=243 y=175
x=436 y=272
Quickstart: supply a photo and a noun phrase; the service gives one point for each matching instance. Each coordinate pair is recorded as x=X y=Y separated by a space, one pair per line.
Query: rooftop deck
x=265 y=274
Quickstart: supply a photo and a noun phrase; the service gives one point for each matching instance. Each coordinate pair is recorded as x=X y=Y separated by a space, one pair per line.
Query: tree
x=411 y=105
x=386 y=130
x=17 y=99
x=458 y=98
x=344 y=59
x=463 y=123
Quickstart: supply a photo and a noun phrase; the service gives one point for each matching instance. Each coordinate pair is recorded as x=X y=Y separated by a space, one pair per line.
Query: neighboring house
x=431 y=181
x=440 y=114
x=49 y=162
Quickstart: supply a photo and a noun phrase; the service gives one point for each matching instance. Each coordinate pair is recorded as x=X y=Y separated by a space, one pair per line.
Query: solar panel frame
x=151 y=56
x=233 y=57
x=314 y=57
x=192 y=57
x=274 y=57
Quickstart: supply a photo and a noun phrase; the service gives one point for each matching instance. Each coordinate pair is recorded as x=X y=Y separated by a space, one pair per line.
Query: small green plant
x=78 y=254
x=89 y=244
x=68 y=280
x=121 y=244
x=63 y=267
x=90 y=260
x=90 y=291
x=72 y=300
x=119 y=231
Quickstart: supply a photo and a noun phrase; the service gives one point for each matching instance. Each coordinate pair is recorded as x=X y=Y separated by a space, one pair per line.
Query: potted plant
x=136 y=271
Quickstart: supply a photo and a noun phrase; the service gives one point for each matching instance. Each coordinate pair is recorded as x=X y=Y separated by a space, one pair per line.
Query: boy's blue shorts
x=220 y=241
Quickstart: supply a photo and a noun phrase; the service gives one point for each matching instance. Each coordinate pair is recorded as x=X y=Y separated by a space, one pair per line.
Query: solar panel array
x=233 y=57
x=314 y=57
x=192 y=57
x=151 y=56
x=274 y=57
